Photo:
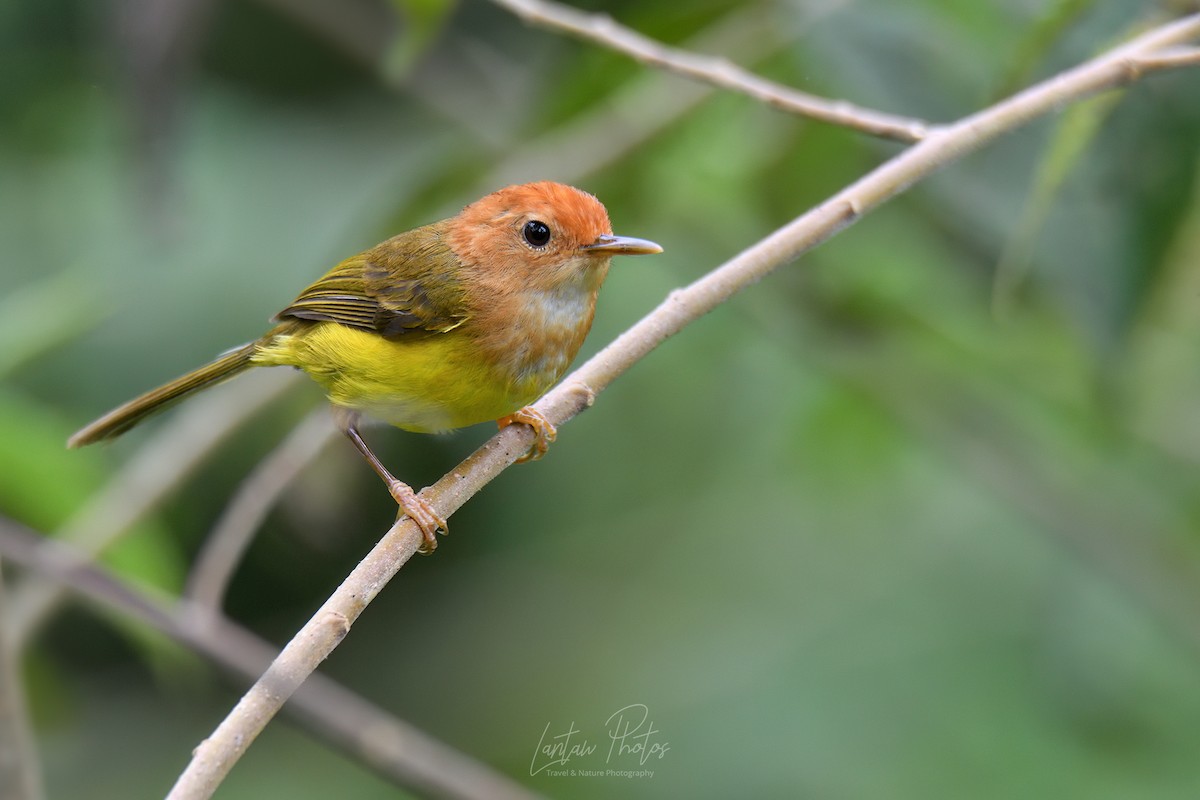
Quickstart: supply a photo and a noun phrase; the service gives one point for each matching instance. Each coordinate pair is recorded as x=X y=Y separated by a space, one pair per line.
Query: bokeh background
x=916 y=517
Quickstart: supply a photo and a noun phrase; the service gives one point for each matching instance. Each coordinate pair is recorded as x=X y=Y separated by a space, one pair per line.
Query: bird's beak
x=608 y=245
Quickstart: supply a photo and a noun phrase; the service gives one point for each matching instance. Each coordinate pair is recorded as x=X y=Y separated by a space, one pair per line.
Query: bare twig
x=603 y=30
x=214 y=757
x=1169 y=58
x=400 y=752
x=20 y=776
x=640 y=108
x=161 y=465
x=224 y=547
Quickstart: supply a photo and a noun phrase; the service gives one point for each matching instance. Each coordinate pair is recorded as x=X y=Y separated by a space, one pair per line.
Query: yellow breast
x=430 y=384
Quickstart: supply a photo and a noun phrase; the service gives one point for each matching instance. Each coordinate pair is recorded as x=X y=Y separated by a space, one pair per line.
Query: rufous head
x=545 y=234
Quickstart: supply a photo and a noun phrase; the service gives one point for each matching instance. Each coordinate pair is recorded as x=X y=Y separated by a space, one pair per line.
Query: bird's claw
x=544 y=431
x=420 y=512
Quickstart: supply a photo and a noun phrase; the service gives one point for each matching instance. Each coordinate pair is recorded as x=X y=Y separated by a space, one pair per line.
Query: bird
x=457 y=322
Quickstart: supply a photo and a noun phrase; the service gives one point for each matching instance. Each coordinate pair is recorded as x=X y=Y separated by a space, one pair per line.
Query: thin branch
x=1170 y=58
x=225 y=546
x=640 y=108
x=144 y=481
x=397 y=750
x=603 y=30
x=215 y=756
x=20 y=775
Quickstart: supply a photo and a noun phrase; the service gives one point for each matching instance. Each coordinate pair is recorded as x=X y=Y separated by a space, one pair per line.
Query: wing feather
x=402 y=288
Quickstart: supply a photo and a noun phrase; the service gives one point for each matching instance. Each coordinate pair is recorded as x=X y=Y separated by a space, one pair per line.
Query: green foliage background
x=914 y=518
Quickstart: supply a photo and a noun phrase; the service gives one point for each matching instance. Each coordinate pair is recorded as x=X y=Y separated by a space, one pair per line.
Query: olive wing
x=402 y=288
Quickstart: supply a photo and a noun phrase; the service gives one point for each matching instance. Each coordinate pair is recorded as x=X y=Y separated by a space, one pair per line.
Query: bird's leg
x=420 y=512
x=543 y=429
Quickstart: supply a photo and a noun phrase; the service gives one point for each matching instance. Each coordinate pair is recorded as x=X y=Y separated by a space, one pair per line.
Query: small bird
x=454 y=323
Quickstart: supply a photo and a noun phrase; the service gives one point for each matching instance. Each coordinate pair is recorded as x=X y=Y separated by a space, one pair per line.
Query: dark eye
x=537 y=233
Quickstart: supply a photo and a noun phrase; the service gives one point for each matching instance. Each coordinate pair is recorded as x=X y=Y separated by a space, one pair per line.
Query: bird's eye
x=537 y=233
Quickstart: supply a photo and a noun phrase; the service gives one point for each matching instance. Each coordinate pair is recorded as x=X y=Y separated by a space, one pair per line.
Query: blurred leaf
x=41 y=482
x=1073 y=134
x=1162 y=382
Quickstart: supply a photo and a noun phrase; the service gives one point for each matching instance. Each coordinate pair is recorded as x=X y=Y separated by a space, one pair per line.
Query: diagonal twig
x=641 y=107
x=397 y=750
x=137 y=489
x=605 y=31
x=1169 y=58
x=224 y=547
x=214 y=757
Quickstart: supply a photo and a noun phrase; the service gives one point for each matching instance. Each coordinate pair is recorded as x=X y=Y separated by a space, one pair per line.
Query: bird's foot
x=420 y=512
x=543 y=430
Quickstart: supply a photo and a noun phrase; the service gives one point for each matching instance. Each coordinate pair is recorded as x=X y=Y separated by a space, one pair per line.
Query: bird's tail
x=125 y=416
